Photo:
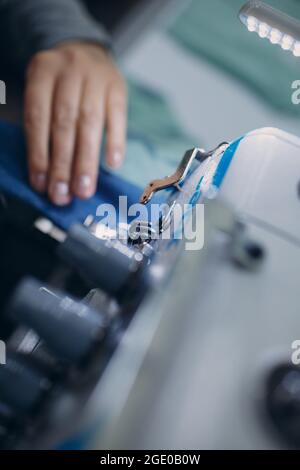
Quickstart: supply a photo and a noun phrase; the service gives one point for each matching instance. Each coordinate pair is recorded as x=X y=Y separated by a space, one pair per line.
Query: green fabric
x=211 y=29
x=156 y=142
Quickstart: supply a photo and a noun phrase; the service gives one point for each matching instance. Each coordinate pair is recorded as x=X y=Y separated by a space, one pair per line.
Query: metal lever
x=180 y=174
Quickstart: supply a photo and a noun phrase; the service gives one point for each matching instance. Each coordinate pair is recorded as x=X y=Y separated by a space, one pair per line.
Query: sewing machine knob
x=283 y=401
x=108 y=264
x=246 y=253
x=22 y=388
x=69 y=328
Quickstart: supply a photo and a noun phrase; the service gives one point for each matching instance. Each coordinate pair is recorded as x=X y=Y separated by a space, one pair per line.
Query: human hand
x=72 y=92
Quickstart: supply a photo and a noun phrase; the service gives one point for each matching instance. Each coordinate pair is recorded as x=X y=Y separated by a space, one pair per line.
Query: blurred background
x=217 y=81
x=221 y=80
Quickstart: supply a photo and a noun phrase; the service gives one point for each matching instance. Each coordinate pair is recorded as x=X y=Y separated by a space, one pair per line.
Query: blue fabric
x=14 y=181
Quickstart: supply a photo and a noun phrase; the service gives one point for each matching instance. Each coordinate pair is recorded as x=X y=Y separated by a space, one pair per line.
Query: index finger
x=38 y=100
x=116 y=125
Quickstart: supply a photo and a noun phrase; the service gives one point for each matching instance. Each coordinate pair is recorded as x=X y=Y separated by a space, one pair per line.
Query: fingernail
x=39 y=181
x=60 y=193
x=116 y=160
x=84 y=186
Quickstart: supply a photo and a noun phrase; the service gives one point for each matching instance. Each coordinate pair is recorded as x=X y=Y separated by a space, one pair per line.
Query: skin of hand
x=72 y=93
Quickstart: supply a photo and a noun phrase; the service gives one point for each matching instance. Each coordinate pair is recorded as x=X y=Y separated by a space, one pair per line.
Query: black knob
x=69 y=328
x=22 y=387
x=283 y=401
x=108 y=264
x=248 y=254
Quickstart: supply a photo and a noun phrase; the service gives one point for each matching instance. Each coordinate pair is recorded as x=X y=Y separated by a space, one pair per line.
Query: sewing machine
x=149 y=341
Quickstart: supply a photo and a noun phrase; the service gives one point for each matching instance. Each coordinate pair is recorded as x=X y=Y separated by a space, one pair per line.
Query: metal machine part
x=246 y=253
x=69 y=328
x=140 y=232
x=180 y=174
x=22 y=386
x=108 y=263
x=144 y=232
x=282 y=401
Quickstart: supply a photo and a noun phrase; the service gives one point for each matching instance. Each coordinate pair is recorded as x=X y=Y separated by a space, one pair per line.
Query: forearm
x=29 y=26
